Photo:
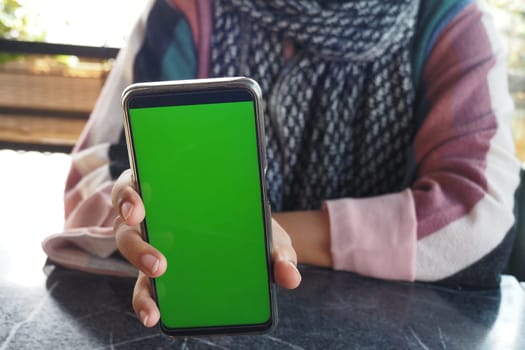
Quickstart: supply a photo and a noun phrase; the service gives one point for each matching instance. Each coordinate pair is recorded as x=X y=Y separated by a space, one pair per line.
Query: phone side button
x=265 y=165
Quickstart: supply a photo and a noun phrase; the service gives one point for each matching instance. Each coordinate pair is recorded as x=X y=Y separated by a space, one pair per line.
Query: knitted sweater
x=452 y=223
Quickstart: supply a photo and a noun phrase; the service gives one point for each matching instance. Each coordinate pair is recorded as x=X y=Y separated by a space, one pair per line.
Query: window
x=45 y=99
x=510 y=17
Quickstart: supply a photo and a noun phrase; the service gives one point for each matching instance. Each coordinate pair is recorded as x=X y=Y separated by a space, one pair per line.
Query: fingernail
x=143 y=317
x=125 y=209
x=150 y=262
x=294 y=265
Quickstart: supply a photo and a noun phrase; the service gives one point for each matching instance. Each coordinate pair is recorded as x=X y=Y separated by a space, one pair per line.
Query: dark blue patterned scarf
x=338 y=114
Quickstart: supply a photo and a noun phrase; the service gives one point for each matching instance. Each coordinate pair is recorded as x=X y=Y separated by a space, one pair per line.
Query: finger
x=286 y=274
x=126 y=200
x=138 y=252
x=143 y=303
x=284 y=259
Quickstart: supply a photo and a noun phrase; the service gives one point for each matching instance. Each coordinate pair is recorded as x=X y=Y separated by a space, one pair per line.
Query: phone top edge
x=190 y=85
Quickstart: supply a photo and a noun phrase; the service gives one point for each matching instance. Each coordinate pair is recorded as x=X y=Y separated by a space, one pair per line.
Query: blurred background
x=54 y=57
x=56 y=54
x=510 y=18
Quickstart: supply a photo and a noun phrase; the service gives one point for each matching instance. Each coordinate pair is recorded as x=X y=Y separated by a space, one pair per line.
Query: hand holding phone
x=197 y=155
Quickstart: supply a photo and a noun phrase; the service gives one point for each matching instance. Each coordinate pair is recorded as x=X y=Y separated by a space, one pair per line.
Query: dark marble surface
x=331 y=310
x=73 y=310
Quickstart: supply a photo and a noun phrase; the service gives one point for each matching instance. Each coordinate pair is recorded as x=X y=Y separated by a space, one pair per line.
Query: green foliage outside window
x=510 y=18
x=14 y=26
x=14 y=22
x=514 y=28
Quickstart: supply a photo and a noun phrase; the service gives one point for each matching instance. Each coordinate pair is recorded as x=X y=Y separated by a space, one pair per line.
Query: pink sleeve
x=87 y=242
x=461 y=204
x=374 y=236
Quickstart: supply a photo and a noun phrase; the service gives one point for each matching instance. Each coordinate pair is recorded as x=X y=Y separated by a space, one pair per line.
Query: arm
x=465 y=196
x=310 y=235
x=460 y=206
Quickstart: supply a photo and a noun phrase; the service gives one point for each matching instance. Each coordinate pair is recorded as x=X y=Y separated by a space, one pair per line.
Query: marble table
x=330 y=310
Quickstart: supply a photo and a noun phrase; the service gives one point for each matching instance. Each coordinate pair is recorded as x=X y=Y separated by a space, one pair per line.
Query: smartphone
x=197 y=153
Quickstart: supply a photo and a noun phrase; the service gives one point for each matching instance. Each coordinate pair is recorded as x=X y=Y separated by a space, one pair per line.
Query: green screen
x=198 y=172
